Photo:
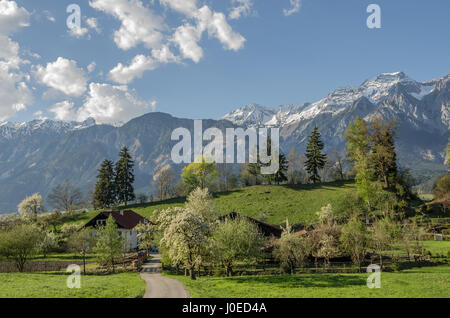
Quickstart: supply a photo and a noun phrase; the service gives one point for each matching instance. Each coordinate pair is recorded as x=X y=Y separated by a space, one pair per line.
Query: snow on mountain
x=376 y=90
x=12 y=129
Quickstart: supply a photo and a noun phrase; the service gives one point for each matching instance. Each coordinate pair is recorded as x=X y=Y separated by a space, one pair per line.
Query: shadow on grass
x=299 y=281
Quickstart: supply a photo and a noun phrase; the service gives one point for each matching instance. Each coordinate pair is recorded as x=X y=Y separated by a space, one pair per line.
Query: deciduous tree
x=354 y=239
x=82 y=242
x=109 y=244
x=31 y=206
x=20 y=243
x=64 y=196
x=236 y=240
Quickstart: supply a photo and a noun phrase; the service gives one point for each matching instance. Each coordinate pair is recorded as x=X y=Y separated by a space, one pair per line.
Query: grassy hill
x=297 y=203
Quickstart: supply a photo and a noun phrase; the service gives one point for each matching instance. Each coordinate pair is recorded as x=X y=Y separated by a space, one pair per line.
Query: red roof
x=126 y=219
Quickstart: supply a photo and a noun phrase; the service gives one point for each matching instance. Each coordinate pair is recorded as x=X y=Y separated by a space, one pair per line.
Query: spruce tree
x=124 y=177
x=315 y=158
x=104 y=195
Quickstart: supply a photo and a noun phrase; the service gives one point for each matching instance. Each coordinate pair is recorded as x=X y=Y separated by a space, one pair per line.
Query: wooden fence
x=38 y=266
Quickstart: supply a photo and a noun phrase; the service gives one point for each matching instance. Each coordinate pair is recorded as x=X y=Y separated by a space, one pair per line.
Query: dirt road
x=159 y=286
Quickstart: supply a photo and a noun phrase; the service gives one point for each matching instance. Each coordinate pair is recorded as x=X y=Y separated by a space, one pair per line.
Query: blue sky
x=197 y=59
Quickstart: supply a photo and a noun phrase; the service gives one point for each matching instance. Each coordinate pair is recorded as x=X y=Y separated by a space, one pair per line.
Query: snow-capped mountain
x=377 y=91
x=421 y=109
x=13 y=130
x=38 y=155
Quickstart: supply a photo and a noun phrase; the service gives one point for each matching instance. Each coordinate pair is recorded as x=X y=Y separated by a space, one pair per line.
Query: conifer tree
x=315 y=158
x=104 y=195
x=124 y=177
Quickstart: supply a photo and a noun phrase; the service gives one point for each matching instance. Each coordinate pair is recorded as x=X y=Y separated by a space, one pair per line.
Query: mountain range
x=38 y=155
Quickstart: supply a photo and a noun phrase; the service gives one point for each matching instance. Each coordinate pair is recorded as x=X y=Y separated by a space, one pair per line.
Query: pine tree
x=280 y=175
x=124 y=177
x=315 y=158
x=104 y=195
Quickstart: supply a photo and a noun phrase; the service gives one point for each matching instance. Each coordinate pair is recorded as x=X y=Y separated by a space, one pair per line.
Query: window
x=101 y=222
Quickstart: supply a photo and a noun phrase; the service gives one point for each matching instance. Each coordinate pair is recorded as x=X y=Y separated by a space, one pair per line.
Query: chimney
x=121 y=212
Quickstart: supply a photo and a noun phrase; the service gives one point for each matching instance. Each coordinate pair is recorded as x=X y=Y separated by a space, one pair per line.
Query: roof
x=127 y=220
x=265 y=228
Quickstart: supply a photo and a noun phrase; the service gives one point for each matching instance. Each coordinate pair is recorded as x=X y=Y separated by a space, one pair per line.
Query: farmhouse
x=126 y=222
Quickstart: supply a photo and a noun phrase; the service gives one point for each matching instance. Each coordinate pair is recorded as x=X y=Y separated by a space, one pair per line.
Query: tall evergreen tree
x=104 y=195
x=315 y=158
x=124 y=177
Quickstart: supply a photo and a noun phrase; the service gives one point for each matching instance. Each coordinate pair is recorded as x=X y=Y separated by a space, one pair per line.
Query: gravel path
x=159 y=286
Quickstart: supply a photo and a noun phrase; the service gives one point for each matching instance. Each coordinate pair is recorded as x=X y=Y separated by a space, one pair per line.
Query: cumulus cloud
x=295 y=7
x=14 y=92
x=64 y=111
x=91 y=67
x=93 y=24
x=12 y=18
x=140 y=25
x=188 y=36
x=109 y=104
x=186 y=7
x=78 y=32
x=62 y=75
x=125 y=74
x=241 y=8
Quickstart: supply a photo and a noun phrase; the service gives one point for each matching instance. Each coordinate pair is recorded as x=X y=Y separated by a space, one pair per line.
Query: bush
x=396 y=265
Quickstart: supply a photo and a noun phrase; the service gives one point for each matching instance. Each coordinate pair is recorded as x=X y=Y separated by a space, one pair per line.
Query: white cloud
x=78 y=32
x=63 y=75
x=241 y=8
x=295 y=7
x=12 y=18
x=217 y=26
x=187 y=37
x=187 y=7
x=14 y=92
x=139 y=23
x=64 y=111
x=91 y=67
x=109 y=104
x=49 y=16
x=125 y=74
x=93 y=24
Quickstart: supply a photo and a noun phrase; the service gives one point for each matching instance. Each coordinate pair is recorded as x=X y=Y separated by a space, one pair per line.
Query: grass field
x=426 y=282
x=298 y=203
x=53 y=285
